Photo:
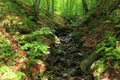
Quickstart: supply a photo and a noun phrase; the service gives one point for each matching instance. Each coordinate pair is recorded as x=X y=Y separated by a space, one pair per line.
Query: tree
x=48 y=7
x=67 y=8
x=52 y=8
x=85 y=7
x=36 y=9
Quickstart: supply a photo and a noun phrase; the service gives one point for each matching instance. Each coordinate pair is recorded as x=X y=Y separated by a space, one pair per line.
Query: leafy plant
x=110 y=55
x=107 y=47
x=6 y=53
x=36 y=49
x=33 y=43
x=6 y=73
x=27 y=21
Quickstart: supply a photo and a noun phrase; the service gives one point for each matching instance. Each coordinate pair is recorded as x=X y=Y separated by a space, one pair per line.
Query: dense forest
x=59 y=39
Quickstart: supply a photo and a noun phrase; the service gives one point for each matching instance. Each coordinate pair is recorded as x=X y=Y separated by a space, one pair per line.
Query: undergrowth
x=34 y=44
x=6 y=73
x=110 y=52
x=7 y=55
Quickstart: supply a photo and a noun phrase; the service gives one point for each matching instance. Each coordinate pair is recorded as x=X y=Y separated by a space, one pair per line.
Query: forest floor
x=63 y=62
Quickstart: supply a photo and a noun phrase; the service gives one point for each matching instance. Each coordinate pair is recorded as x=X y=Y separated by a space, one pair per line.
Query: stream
x=65 y=57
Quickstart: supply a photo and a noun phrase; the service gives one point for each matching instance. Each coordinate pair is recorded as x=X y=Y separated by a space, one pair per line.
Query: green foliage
x=6 y=73
x=28 y=2
x=37 y=35
x=109 y=51
x=26 y=25
x=34 y=44
x=42 y=31
x=36 y=49
x=107 y=47
x=27 y=21
x=6 y=53
x=11 y=7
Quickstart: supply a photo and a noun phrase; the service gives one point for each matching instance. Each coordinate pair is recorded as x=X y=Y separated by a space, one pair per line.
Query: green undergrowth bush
x=14 y=25
x=35 y=49
x=6 y=53
x=6 y=73
x=34 y=44
x=25 y=25
x=110 y=52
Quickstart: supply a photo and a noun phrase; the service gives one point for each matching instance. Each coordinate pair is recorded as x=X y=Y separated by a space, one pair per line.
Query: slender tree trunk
x=67 y=8
x=63 y=6
x=85 y=7
x=48 y=7
x=103 y=9
x=76 y=9
x=36 y=9
x=52 y=8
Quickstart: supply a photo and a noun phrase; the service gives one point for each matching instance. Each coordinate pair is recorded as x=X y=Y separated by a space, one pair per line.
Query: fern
x=109 y=51
x=108 y=48
x=42 y=31
x=36 y=49
x=33 y=43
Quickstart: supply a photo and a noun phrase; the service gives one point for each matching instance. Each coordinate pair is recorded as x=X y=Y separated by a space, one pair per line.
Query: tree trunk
x=36 y=6
x=52 y=8
x=48 y=7
x=85 y=7
x=67 y=8
x=103 y=9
